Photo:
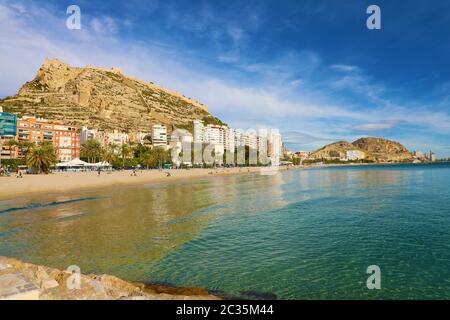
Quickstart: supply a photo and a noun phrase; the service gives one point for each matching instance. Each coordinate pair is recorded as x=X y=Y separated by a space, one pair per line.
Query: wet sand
x=11 y=187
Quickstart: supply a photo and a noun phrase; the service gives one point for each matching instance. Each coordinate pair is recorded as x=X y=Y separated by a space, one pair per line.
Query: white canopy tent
x=103 y=164
x=75 y=163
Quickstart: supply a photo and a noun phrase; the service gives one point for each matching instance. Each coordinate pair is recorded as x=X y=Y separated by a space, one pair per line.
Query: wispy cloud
x=367 y=127
x=345 y=68
x=293 y=90
x=104 y=25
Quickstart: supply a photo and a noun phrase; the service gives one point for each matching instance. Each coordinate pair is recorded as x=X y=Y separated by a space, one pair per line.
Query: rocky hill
x=383 y=150
x=335 y=150
x=102 y=98
x=373 y=149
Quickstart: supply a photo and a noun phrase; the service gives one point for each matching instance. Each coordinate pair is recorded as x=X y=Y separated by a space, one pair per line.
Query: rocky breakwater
x=26 y=281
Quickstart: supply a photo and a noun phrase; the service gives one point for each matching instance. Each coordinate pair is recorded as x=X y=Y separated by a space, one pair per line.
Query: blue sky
x=310 y=68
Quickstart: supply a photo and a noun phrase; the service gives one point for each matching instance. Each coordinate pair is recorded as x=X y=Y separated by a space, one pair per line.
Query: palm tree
x=42 y=157
x=108 y=156
x=124 y=152
x=92 y=150
x=24 y=148
x=113 y=148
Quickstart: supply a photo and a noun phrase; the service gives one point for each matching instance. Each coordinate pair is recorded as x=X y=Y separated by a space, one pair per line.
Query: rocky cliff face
x=383 y=150
x=102 y=98
x=375 y=149
x=335 y=150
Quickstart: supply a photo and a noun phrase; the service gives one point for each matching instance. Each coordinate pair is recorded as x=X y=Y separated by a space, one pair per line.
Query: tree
x=139 y=150
x=24 y=148
x=156 y=157
x=108 y=156
x=42 y=157
x=124 y=152
x=92 y=150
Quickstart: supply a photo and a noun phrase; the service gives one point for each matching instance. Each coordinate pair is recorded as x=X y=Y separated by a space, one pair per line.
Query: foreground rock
x=25 y=281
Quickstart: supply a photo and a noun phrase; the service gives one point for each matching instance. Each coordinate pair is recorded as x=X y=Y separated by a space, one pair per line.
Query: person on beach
x=99 y=171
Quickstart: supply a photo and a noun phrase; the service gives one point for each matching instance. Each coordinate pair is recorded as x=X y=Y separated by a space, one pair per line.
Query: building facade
x=8 y=131
x=353 y=155
x=65 y=139
x=159 y=135
x=8 y=124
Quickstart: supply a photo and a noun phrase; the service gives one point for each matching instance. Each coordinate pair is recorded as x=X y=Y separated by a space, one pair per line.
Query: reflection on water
x=124 y=230
x=297 y=234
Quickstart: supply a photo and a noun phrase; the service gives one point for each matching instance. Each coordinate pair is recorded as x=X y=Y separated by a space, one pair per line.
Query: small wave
x=37 y=205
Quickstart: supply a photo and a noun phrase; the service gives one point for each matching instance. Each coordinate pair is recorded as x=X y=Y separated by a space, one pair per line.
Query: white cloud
x=104 y=25
x=376 y=126
x=271 y=101
x=345 y=68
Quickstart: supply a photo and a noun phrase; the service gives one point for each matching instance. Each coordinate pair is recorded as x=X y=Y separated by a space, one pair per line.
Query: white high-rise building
x=230 y=143
x=239 y=138
x=263 y=143
x=159 y=135
x=115 y=138
x=275 y=146
x=88 y=134
x=199 y=130
x=214 y=134
x=251 y=140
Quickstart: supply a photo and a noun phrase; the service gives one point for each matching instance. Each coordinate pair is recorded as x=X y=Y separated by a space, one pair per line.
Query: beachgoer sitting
x=168 y=174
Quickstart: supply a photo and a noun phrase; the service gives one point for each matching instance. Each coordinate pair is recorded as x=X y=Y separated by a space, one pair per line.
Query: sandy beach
x=71 y=181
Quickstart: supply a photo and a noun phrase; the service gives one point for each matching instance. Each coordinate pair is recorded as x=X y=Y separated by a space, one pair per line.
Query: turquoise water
x=301 y=234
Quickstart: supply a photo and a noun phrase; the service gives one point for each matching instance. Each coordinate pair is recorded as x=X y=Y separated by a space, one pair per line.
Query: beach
x=283 y=236
x=60 y=182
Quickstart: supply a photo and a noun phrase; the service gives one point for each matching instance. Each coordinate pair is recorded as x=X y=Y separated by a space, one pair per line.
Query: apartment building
x=199 y=129
x=275 y=146
x=66 y=142
x=8 y=124
x=88 y=134
x=230 y=136
x=8 y=130
x=352 y=155
x=159 y=136
x=65 y=139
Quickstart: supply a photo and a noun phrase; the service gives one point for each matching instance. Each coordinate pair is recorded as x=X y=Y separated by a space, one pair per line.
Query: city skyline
x=294 y=66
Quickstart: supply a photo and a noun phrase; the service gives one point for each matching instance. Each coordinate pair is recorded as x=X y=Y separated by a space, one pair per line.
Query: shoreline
x=26 y=281
x=60 y=182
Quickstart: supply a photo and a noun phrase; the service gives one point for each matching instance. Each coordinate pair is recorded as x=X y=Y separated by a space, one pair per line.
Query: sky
x=310 y=68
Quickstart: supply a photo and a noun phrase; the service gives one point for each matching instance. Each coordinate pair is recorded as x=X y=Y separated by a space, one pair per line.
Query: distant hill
x=375 y=149
x=383 y=150
x=102 y=98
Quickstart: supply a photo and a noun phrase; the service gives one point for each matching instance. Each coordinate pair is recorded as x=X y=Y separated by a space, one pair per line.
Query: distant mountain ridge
x=102 y=98
x=375 y=149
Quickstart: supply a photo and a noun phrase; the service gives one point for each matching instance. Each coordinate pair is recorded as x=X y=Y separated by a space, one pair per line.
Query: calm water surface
x=303 y=234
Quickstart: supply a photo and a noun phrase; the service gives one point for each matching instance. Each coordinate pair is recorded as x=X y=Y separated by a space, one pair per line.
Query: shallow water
x=303 y=234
